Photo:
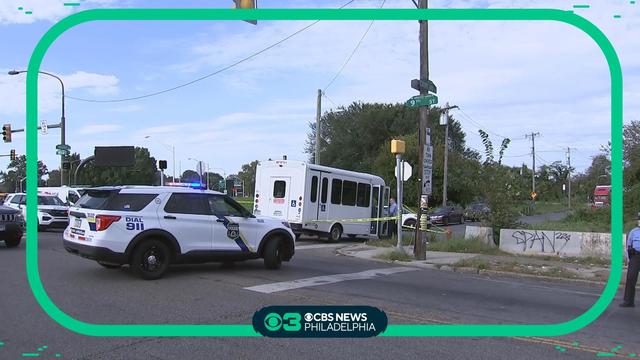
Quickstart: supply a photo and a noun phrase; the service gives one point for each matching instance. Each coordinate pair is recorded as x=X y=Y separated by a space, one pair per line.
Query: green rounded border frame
x=160 y=330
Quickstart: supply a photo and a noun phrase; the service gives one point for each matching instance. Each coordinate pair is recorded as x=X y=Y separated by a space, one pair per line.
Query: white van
x=321 y=200
x=67 y=194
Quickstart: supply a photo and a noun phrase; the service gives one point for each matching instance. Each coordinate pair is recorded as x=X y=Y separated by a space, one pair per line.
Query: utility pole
x=418 y=249
x=569 y=175
x=318 y=116
x=533 y=153
x=445 y=120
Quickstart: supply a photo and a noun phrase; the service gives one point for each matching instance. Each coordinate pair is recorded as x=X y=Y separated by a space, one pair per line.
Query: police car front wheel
x=150 y=259
x=273 y=254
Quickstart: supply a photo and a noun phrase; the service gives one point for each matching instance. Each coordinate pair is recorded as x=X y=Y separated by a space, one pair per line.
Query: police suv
x=150 y=228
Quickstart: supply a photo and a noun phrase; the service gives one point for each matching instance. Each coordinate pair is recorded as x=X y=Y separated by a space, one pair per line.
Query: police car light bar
x=189 y=185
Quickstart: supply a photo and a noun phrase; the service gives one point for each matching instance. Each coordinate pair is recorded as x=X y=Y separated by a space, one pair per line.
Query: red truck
x=601 y=196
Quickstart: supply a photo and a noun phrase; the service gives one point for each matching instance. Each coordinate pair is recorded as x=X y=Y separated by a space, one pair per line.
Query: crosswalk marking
x=327 y=279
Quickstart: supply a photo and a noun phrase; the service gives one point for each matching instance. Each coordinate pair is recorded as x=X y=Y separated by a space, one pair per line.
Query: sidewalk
x=496 y=264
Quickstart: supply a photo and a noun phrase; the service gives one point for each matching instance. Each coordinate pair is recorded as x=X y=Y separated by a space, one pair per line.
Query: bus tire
x=335 y=234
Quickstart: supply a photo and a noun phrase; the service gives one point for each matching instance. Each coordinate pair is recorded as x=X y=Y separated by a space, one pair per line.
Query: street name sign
x=422 y=100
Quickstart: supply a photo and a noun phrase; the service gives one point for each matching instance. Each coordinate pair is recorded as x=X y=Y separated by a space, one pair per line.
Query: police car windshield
x=50 y=200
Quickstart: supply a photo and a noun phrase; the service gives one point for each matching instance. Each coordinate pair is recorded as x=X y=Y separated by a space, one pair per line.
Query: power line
x=482 y=127
x=208 y=75
x=353 y=52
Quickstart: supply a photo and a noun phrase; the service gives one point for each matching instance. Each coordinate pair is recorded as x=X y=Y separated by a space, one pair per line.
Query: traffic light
x=12 y=155
x=162 y=164
x=6 y=133
x=247 y=4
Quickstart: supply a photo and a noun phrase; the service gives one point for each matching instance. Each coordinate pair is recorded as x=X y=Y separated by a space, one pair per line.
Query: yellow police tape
x=440 y=231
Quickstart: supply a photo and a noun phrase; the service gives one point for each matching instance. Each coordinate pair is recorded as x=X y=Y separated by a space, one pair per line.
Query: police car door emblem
x=233 y=231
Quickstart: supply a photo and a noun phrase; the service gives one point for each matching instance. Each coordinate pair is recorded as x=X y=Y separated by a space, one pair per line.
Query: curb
x=344 y=251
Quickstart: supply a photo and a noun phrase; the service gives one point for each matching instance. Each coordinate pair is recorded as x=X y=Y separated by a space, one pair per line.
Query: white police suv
x=152 y=227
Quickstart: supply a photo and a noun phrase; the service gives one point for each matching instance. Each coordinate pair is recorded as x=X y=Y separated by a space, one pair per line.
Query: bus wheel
x=336 y=233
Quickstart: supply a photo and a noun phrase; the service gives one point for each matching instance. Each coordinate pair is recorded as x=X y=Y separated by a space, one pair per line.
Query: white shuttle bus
x=320 y=200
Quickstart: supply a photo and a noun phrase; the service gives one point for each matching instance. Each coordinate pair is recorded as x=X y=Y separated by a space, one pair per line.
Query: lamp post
x=173 y=152
x=62 y=118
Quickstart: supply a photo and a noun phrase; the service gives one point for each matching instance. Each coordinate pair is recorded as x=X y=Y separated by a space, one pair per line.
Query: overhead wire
x=204 y=77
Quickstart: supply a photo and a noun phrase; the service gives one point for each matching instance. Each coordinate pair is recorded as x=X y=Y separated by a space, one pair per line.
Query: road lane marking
x=327 y=279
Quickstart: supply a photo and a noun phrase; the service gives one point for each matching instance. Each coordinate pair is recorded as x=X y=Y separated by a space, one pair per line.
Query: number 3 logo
x=291 y=322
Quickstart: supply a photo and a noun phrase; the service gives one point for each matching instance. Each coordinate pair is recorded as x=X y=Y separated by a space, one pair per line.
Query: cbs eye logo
x=288 y=322
x=273 y=322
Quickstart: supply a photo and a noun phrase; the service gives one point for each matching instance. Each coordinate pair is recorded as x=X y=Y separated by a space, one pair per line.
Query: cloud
x=13 y=90
x=15 y=11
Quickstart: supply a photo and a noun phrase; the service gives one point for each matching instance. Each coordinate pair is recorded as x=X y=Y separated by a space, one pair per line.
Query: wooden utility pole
x=419 y=250
x=318 y=116
x=533 y=155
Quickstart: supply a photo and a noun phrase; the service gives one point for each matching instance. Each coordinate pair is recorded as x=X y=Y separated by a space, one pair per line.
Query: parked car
x=52 y=212
x=476 y=211
x=11 y=226
x=447 y=215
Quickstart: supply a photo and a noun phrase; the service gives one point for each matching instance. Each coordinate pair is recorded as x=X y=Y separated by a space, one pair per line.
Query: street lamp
x=62 y=118
x=173 y=151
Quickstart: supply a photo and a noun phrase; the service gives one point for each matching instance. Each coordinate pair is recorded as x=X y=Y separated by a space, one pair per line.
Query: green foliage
x=461 y=245
x=500 y=190
x=358 y=138
x=16 y=173
x=395 y=255
x=144 y=172
x=248 y=176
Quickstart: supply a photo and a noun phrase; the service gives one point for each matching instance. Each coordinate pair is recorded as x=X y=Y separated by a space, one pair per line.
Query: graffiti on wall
x=542 y=241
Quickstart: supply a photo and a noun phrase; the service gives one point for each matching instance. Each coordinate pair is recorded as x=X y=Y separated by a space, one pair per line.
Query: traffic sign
x=427 y=170
x=63 y=147
x=422 y=100
x=421 y=85
x=534 y=195
x=407 y=171
x=64 y=152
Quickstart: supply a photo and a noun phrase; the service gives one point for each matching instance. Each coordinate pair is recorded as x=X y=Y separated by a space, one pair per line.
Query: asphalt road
x=212 y=294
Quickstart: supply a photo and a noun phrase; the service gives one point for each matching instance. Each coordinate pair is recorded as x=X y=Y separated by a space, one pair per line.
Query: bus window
x=314 y=189
x=325 y=190
x=364 y=194
x=336 y=191
x=279 y=188
x=349 y=192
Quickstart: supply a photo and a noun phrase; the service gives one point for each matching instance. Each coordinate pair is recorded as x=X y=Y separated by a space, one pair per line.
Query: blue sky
x=509 y=78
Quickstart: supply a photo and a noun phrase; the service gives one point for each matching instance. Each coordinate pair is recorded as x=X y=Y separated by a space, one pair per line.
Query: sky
x=509 y=78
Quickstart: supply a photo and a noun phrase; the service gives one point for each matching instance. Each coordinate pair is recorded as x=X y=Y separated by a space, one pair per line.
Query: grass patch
x=515 y=267
x=391 y=242
x=395 y=255
x=460 y=245
x=581 y=220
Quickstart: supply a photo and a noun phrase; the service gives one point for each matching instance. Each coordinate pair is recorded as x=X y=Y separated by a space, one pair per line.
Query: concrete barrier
x=484 y=234
x=558 y=243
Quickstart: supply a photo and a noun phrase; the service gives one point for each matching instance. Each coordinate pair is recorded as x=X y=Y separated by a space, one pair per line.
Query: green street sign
x=64 y=152
x=63 y=147
x=420 y=101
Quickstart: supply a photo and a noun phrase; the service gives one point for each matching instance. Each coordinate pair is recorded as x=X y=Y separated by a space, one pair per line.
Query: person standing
x=633 y=252
x=393 y=211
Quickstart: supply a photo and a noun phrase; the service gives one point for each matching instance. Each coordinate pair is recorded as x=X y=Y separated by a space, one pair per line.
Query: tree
x=500 y=189
x=190 y=176
x=54 y=178
x=17 y=173
x=248 y=177
x=214 y=181
x=144 y=172
x=357 y=138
